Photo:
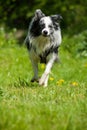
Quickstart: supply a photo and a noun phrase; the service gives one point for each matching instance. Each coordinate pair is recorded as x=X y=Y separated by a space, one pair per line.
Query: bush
x=18 y=14
x=7 y=38
x=77 y=44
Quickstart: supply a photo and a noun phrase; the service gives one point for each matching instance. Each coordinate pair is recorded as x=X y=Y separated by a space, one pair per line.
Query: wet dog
x=43 y=40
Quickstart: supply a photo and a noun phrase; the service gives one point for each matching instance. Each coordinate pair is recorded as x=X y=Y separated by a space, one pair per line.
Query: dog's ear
x=39 y=14
x=56 y=18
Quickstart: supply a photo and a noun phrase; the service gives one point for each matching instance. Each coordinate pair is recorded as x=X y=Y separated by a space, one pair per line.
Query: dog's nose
x=45 y=32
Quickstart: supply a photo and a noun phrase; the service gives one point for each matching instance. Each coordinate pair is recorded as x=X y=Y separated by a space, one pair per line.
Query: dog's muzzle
x=45 y=33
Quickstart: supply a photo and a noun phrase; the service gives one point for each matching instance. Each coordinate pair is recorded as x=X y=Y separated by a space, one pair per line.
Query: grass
x=26 y=106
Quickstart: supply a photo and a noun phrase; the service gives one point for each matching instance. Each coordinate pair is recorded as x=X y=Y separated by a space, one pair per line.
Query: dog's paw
x=34 y=80
x=43 y=80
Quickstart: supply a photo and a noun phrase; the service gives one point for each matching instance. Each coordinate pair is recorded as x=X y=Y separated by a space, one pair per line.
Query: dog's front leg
x=44 y=79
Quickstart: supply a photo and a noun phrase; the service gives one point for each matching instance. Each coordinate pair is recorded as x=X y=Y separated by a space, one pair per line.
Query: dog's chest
x=40 y=44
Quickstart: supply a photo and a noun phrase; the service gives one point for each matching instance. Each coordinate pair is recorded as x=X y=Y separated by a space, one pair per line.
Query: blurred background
x=27 y=106
x=15 y=16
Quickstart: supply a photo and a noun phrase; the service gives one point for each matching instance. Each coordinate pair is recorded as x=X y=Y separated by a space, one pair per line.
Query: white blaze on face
x=47 y=21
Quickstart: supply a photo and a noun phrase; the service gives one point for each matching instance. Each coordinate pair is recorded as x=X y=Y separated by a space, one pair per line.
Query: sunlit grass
x=27 y=106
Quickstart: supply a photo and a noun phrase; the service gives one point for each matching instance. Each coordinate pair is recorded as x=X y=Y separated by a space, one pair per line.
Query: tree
x=17 y=13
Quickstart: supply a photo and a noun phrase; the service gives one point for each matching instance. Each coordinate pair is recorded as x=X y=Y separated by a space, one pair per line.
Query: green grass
x=26 y=106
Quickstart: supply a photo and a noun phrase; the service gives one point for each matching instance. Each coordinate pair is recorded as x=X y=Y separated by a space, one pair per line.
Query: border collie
x=43 y=40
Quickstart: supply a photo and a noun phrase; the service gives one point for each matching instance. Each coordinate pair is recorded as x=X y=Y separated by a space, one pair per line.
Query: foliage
x=76 y=44
x=25 y=106
x=7 y=38
x=18 y=14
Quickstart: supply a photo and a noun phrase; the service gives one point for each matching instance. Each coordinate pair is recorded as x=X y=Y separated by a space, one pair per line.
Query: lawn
x=28 y=106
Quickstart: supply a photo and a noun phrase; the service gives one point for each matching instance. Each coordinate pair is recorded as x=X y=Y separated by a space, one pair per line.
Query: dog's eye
x=50 y=26
x=41 y=22
x=43 y=25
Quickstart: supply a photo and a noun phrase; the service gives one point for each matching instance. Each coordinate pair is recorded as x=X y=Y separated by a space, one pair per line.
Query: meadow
x=27 y=106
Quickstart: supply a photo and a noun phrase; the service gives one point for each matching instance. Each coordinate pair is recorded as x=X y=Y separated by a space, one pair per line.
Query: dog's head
x=49 y=23
x=45 y=25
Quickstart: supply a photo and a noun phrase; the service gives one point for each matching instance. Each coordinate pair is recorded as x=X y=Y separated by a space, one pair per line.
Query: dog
x=42 y=41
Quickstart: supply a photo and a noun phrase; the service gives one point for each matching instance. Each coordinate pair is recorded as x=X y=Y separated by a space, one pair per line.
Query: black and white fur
x=43 y=41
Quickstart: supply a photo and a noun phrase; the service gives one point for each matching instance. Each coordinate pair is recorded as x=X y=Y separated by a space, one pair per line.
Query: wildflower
x=51 y=78
x=85 y=65
x=60 y=82
x=74 y=84
x=42 y=66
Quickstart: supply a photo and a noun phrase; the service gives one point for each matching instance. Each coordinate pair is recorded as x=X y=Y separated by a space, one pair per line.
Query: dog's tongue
x=39 y=14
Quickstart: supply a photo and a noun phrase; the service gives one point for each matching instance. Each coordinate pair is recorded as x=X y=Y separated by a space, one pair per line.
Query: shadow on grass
x=19 y=83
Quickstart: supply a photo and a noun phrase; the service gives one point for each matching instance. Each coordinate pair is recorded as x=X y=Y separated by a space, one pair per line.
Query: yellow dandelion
x=51 y=78
x=60 y=82
x=42 y=66
x=85 y=65
x=74 y=84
